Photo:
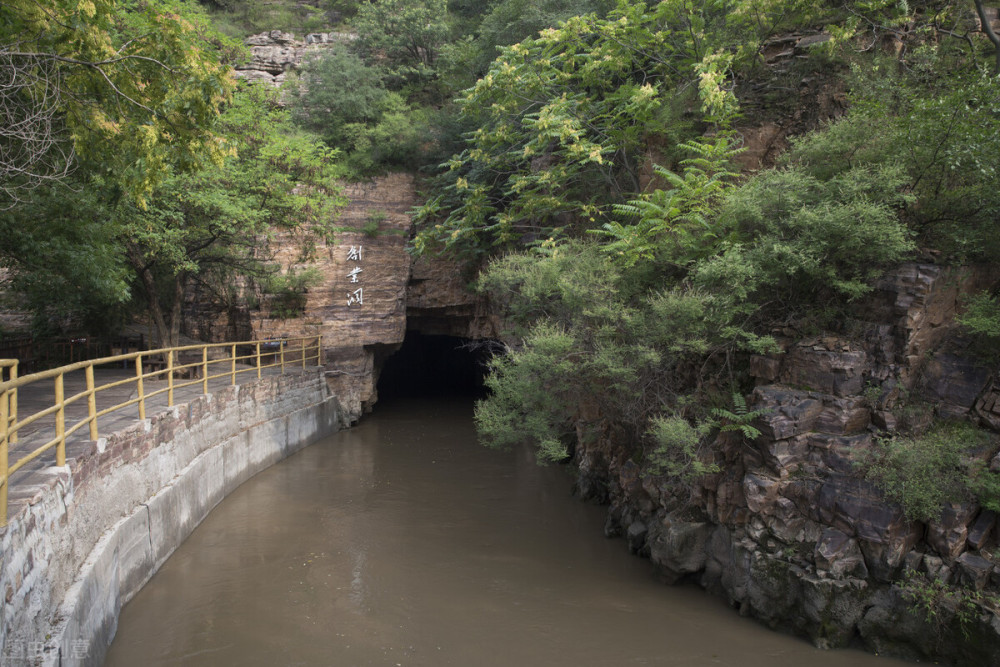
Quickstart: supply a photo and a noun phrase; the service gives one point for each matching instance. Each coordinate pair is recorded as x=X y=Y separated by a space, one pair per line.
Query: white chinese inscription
x=355 y=254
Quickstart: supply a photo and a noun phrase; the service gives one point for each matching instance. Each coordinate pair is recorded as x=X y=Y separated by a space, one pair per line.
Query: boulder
x=678 y=546
x=839 y=555
x=789 y=412
x=953 y=383
x=949 y=533
x=981 y=530
x=972 y=571
x=760 y=492
x=827 y=365
x=635 y=535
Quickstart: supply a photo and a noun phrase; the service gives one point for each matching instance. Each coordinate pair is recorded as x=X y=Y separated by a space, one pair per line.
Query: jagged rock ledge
x=789 y=532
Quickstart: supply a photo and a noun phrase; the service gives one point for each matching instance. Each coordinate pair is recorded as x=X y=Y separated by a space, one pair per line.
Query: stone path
x=40 y=395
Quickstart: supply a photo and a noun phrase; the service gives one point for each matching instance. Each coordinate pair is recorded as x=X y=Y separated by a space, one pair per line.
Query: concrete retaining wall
x=96 y=530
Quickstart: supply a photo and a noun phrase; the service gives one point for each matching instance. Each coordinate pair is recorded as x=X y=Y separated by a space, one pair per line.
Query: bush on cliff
x=923 y=472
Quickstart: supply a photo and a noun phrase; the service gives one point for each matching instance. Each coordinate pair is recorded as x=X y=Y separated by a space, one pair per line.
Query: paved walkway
x=40 y=395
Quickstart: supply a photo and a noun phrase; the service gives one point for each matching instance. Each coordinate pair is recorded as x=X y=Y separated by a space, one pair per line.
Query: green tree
x=346 y=102
x=217 y=222
x=61 y=260
x=563 y=120
x=512 y=21
x=130 y=88
x=406 y=34
x=337 y=89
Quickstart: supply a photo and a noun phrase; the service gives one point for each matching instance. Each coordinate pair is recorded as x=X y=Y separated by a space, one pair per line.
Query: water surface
x=404 y=542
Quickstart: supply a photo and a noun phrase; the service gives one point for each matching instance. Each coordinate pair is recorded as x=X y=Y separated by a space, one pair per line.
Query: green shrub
x=792 y=236
x=923 y=472
x=679 y=448
x=286 y=292
x=337 y=89
x=982 y=319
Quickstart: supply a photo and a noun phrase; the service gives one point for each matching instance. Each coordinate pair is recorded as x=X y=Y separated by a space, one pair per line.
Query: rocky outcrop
x=441 y=302
x=274 y=53
x=358 y=303
x=791 y=533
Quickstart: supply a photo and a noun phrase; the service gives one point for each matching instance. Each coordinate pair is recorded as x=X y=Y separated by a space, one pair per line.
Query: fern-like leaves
x=740 y=418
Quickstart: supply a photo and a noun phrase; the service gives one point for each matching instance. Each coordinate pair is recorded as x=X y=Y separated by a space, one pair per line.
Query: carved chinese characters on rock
x=355 y=254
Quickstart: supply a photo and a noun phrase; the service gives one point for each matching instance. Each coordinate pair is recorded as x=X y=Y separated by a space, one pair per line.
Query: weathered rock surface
x=792 y=534
x=359 y=305
x=366 y=300
x=274 y=53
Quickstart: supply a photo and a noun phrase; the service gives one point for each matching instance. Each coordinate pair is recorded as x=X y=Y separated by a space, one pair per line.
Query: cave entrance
x=427 y=365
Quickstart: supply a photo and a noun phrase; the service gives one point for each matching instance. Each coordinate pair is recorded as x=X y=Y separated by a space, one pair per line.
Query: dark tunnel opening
x=428 y=365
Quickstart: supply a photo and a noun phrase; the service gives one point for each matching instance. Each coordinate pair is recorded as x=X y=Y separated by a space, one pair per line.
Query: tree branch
x=987 y=28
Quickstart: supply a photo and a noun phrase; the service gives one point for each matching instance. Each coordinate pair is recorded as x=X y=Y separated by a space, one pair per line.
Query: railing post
x=303 y=354
x=319 y=350
x=91 y=402
x=4 y=482
x=60 y=422
x=232 y=365
x=258 y=360
x=12 y=437
x=281 y=354
x=170 y=379
x=138 y=387
x=204 y=370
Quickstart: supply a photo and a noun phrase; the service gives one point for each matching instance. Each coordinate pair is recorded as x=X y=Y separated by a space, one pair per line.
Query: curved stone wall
x=97 y=529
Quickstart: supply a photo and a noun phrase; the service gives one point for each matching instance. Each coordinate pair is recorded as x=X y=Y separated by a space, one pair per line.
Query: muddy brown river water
x=404 y=542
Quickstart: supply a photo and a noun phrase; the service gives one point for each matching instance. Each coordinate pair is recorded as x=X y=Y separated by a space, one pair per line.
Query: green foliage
x=739 y=418
x=678 y=222
x=213 y=225
x=678 y=449
x=941 y=604
x=239 y=18
x=923 y=472
x=563 y=119
x=933 y=119
x=632 y=350
x=286 y=292
x=981 y=319
x=560 y=118
x=792 y=236
x=396 y=139
x=530 y=396
x=512 y=21
x=62 y=263
x=345 y=101
x=406 y=34
x=337 y=89
x=128 y=89
x=373 y=221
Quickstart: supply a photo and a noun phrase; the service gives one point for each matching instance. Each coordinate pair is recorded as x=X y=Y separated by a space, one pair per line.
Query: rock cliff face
x=370 y=293
x=789 y=532
x=274 y=53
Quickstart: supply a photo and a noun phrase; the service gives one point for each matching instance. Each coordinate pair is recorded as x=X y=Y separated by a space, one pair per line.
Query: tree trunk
x=987 y=28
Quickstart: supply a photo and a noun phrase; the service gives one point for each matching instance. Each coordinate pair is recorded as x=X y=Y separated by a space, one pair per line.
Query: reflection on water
x=403 y=542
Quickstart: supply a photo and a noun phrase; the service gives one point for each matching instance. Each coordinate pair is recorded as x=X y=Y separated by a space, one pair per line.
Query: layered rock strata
x=274 y=53
x=790 y=532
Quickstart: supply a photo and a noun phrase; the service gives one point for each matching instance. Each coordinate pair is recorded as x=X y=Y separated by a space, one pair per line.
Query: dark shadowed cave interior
x=427 y=365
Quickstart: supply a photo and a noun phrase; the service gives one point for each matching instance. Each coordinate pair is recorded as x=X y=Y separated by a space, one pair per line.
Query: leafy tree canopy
x=563 y=119
x=214 y=225
x=131 y=88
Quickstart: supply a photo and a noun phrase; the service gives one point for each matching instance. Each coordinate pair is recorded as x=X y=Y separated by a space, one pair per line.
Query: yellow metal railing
x=166 y=363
